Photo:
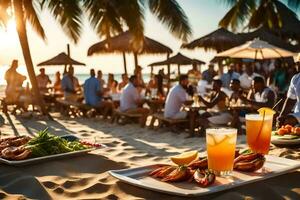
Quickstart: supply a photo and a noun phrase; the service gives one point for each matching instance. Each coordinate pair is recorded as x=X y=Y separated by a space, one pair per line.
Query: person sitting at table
x=236 y=91
x=230 y=75
x=114 y=92
x=70 y=86
x=43 y=80
x=100 y=78
x=290 y=113
x=216 y=114
x=260 y=95
x=151 y=88
x=176 y=99
x=124 y=82
x=110 y=80
x=131 y=101
x=93 y=95
x=57 y=83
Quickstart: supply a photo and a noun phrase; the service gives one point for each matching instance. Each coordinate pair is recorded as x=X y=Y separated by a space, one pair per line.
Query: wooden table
x=156 y=105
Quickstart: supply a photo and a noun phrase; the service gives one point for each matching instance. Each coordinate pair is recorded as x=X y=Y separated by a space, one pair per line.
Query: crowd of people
x=250 y=84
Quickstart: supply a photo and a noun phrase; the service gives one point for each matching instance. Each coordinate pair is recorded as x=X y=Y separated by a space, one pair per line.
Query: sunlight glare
x=8 y=35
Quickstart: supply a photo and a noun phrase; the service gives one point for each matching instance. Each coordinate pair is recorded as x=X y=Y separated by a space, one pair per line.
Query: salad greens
x=47 y=144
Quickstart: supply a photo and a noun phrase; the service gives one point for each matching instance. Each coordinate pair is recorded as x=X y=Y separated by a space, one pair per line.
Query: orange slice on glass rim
x=266 y=111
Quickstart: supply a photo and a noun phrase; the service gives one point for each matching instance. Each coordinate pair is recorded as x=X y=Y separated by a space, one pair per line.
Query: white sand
x=86 y=177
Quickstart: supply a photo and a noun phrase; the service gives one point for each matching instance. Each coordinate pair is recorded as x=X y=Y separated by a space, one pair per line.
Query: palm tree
x=110 y=17
x=272 y=14
x=26 y=11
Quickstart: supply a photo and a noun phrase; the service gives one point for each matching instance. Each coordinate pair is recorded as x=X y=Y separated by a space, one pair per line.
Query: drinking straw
x=276 y=104
x=261 y=126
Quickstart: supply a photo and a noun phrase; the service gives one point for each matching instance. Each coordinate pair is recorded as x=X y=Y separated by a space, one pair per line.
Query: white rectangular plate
x=50 y=157
x=274 y=166
x=44 y=158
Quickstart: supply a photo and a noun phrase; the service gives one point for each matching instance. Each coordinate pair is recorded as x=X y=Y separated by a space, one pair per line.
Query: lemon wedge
x=184 y=158
x=266 y=111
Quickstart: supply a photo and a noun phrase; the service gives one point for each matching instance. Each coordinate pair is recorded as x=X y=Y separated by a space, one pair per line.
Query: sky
x=203 y=16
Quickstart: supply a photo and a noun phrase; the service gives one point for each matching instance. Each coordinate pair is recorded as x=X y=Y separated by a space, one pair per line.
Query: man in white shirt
x=131 y=101
x=176 y=99
x=292 y=102
x=43 y=80
x=247 y=77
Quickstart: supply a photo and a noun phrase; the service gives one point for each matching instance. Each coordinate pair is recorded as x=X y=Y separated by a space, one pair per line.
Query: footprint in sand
x=68 y=184
x=112 y=197
x=49 y=184
x=59 y=190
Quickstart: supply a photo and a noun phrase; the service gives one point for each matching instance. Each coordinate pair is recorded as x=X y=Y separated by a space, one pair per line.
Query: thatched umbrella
x=265 y=35
x=178 y=59
x=123 y=43
x=61 y=59
x=219 y=40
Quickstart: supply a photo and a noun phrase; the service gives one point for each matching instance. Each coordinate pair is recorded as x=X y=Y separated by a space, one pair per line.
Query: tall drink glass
x=258 y=130
x=220 y=144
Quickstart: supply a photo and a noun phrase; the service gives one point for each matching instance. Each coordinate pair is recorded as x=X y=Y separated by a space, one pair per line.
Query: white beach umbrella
x=256 y=49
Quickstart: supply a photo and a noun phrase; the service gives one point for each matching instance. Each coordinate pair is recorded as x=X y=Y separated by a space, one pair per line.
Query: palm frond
x=294 y=4
x=230 y=3
x=69 y=14
x=238 y=14
x=103 y=17
x=4 y=5
x=31 y=16
x=172 y=15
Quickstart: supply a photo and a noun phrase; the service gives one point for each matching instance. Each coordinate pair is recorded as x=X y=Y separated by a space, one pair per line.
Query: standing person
x=209 y=74
x=43 y=80
x=70 y=85
x=14 y=82
x=176 y=99
x=280 y=79
x=57 y=83
x=124 y=82
x=194 y=74
x=93 y=95
x=290 y=113
x=226 y=78
x=131 y=101
x=100 y=78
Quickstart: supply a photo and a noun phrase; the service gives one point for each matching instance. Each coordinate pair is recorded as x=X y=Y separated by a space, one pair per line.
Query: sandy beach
x=86 y=177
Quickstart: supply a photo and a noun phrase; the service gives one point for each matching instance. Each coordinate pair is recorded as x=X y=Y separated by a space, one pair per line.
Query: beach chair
x=168 y=122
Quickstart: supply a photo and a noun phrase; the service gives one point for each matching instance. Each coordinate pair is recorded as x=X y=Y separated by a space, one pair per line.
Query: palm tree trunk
x=21 y=29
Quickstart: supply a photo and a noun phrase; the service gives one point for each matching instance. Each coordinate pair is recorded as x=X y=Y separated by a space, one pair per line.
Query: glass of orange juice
x=220 y=144
x=258 y=131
